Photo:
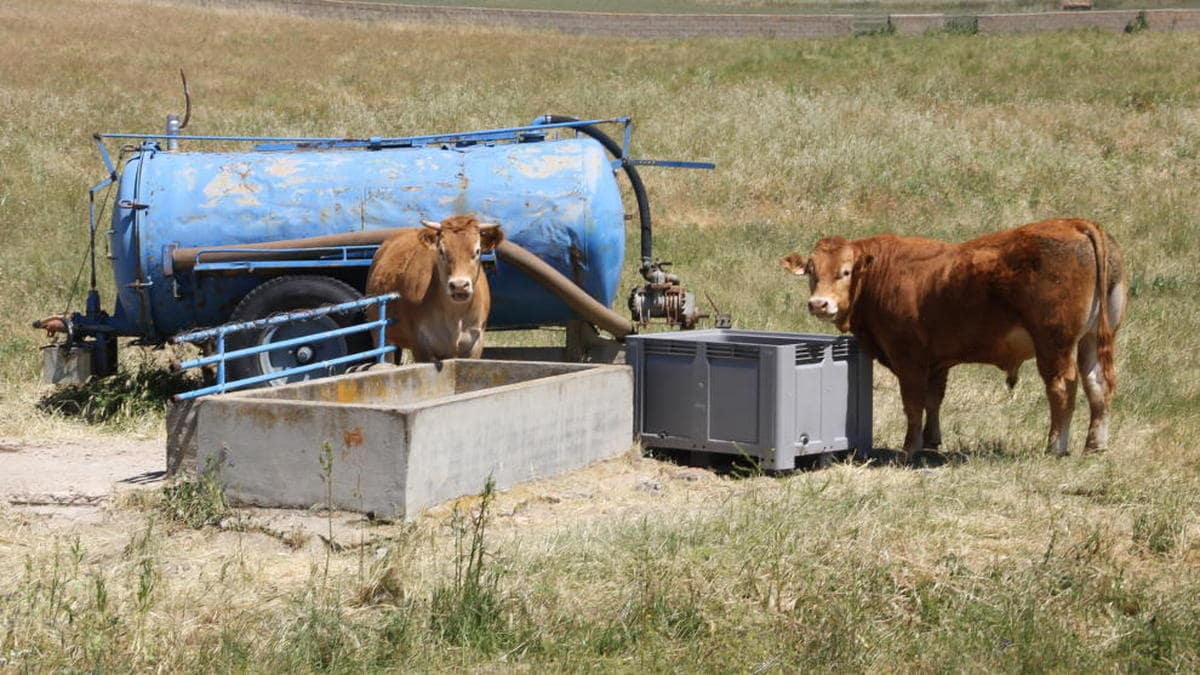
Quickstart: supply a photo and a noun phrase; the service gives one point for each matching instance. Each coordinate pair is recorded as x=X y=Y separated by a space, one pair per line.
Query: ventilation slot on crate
x=841 y=350
x=720 y=351
x=809 y=353
x=670 y=348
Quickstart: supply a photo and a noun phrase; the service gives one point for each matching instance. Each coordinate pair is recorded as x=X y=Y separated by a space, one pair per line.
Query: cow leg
x=393 y=336
x=934 y=394
x=1097 y=394
x=1058 y=371
x=912 y=391
x=470 y=344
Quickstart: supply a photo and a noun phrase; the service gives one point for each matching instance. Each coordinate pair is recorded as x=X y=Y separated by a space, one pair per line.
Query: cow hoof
x=1094 y=449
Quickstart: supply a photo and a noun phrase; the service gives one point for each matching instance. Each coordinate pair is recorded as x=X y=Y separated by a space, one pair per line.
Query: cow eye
x=845 y=273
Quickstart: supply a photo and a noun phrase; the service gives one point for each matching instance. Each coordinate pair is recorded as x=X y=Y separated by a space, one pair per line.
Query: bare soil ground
x=76 y=471
x=52 y=485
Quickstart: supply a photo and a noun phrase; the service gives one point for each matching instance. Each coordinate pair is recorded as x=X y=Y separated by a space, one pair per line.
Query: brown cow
x=1053 y=290
x=444 y=296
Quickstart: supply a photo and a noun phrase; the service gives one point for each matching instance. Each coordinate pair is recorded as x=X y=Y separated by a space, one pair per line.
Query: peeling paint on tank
x=188 y=178
x=231 y=181
x=546 y=165
x=571 y=210
x=285 y=166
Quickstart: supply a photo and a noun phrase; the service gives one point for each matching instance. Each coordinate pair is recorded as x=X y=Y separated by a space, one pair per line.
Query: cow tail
x=1104 y=330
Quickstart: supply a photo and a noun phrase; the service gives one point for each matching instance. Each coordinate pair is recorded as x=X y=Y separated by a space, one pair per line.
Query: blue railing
x=277 y=143
x=220 y=357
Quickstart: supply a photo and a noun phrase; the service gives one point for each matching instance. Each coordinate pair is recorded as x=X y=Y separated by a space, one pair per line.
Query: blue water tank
x=557 y=198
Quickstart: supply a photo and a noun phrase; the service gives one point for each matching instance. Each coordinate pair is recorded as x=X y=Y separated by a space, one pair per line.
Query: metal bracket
x=168 y=264
x=668 y=163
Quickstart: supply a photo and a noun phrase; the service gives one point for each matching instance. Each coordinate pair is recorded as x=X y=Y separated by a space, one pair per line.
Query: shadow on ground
x=735 y=466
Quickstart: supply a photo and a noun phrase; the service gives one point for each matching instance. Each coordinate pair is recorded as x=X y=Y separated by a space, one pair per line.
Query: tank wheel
x=286 y=294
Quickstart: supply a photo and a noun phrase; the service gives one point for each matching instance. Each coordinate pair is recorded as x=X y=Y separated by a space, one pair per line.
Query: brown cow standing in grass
x=444 y=295
x=1053 y=290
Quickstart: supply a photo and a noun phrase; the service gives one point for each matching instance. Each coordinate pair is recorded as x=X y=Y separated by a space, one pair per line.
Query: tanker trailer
x=219 y=232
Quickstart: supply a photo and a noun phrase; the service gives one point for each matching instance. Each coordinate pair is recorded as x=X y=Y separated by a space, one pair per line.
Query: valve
x=663 y=297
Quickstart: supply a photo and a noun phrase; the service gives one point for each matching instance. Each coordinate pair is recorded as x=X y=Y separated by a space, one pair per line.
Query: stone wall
x=788 y=26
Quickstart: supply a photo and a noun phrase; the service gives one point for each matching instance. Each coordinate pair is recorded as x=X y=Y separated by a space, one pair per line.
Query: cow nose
x=818 y=305
x=459 y=286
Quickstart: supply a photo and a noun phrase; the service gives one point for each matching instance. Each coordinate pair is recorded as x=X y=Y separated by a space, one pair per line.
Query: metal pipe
x=184 y=259
x=432 y=139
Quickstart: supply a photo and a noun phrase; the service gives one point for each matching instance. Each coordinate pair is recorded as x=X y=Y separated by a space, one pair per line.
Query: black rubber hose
x=635 y=180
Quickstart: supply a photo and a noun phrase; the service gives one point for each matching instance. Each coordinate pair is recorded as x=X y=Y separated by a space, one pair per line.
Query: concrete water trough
x=403 y=439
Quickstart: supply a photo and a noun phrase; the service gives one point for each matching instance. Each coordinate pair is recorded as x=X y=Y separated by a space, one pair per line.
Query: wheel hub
x=307 y=353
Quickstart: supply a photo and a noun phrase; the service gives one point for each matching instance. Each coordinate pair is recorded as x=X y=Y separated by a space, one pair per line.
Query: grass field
x=1003 y=559
x=798 y=6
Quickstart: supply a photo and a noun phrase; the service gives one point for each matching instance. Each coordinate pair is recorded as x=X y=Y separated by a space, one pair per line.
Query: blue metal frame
x=277 y=143
x=220 y=357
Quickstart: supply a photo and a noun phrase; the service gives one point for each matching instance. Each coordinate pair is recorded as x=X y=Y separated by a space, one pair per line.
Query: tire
x=286 y=294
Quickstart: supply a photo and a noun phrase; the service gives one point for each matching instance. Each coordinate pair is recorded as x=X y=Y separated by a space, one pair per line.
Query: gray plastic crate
x=773 y=396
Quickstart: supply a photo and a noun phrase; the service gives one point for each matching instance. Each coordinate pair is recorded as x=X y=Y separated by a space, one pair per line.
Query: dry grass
x=1002 y=560
x=799 y=6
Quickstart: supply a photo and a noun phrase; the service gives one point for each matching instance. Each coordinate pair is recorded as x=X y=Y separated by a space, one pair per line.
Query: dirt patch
x=76 y=472
x=96 y=483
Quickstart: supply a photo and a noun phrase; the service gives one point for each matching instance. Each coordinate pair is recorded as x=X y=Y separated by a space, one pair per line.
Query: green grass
x=1002 y=560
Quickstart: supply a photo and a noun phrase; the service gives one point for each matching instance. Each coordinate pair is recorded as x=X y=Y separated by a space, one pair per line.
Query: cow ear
x=490 y=236
x=428 y=237
x=794 y=263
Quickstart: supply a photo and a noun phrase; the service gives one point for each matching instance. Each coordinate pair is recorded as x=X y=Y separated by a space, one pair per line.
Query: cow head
x=831 y=270
x=459 y=241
